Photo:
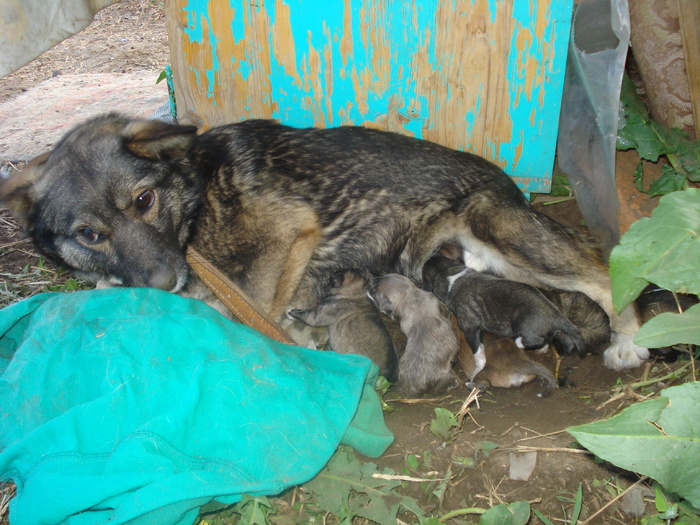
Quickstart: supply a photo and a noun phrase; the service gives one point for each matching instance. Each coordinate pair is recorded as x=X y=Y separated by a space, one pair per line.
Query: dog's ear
x=158 y=140
x=17 y=191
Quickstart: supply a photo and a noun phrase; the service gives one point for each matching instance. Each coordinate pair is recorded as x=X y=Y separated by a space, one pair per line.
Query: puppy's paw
x=542 y=351
x=623 y=353
x=480 y=384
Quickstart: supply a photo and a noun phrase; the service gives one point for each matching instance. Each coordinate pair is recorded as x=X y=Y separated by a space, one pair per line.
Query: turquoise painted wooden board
x=484 y=76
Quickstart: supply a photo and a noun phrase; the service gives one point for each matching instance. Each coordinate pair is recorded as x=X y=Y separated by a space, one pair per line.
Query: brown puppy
x=431 y=342
x=354 y=323
x=281 y=210
x=507 y=366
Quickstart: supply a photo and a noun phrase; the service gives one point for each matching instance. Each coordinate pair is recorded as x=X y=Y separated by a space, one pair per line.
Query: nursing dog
x=281 y=210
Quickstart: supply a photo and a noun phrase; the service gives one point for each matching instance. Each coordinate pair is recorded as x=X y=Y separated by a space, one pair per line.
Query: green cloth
x=138 y=406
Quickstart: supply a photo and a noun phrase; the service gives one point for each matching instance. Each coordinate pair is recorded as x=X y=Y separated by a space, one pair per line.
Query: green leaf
x=670 y=180
x=659 y=438
x=347 y=489
x=560 y=186
x=516 y=513
x=542 y=518
x=162 y=76
x=443 y=423
x=578 y=504
x=254 y=511
x=669 y=329
x=639 y=177
x=636 y=131
x=663 y=249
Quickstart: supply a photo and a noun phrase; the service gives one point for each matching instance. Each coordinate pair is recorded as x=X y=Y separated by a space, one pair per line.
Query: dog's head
x=114 y=200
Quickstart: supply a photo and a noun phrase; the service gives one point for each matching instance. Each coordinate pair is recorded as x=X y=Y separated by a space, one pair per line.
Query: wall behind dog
x=484 y=76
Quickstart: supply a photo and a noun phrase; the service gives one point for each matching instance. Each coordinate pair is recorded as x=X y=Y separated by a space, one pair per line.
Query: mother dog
x=282 y=210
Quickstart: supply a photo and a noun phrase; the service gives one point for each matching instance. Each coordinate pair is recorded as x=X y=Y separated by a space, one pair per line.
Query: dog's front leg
x=622 y=352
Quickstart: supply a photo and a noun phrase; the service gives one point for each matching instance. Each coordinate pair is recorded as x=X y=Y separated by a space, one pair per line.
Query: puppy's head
x=391 y=292
x=114 y=200
x=437 y=270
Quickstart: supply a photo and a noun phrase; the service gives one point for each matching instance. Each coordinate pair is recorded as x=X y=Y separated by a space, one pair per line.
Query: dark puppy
x=279 y=210
x=354 y=323
x=484 y=303
x=431 y=343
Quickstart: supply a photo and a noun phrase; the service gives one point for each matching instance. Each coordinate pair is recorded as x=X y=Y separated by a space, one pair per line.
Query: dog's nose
x=163 y=279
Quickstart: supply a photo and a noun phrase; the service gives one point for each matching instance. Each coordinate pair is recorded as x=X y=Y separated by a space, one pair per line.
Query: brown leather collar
x=234 y=298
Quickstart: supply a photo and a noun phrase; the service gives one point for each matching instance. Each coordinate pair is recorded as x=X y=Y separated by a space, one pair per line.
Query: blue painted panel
x=480 y=75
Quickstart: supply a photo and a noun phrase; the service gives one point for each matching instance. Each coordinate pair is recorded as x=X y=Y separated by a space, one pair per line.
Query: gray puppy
x=484 y=303
x=354 y=323
x=432 y=344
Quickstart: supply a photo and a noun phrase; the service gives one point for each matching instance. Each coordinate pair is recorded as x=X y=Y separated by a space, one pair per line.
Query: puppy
x=484 y=303
x=431 y=343
x=354 y=323
x=507 y=366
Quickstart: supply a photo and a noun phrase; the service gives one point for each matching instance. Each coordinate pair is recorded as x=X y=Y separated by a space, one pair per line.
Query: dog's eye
x=146 y=200
x=90 y=235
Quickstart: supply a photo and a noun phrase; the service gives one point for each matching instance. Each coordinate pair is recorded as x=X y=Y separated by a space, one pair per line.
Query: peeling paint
x=480 y=75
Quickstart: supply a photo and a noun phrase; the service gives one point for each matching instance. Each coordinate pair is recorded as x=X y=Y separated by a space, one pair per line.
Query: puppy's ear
x=17 y=191
x=157 y=140
x=451 y=251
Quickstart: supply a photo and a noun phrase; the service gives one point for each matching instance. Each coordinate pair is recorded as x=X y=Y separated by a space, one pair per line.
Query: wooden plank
x=689 y=17
x=480 y=75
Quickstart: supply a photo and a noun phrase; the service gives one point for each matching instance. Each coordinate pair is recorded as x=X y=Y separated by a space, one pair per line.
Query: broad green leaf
x=663 y=249
x=443 y=423
x=517 y=513
x=659 y=438
x=670 y=180
x=670 y=329
x=636 y=131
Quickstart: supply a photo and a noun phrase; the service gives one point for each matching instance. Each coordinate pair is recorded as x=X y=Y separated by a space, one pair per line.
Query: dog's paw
x=623 y=353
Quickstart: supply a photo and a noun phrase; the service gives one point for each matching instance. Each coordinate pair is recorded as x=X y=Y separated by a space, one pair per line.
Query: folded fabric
x=139 y=406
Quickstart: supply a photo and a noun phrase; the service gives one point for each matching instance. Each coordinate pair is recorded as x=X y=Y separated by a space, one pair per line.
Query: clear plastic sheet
x=590 y=109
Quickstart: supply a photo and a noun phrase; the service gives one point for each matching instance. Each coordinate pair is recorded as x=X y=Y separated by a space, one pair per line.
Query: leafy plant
x=652 y=141
x=516 y=513
x=658 y=437
x=348 y=489
x=445 y=425
x=663 y=249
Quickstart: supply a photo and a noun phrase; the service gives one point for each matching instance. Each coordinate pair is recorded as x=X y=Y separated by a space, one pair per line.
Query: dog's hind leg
x=521 y=244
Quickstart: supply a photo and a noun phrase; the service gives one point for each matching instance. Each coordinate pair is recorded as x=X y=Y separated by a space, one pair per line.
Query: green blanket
x=139 y=406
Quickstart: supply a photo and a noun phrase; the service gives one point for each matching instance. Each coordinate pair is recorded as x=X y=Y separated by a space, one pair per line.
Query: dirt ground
x=131 y=36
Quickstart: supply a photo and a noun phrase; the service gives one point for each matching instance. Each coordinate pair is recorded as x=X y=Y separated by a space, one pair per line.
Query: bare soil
x=131 y=36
